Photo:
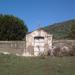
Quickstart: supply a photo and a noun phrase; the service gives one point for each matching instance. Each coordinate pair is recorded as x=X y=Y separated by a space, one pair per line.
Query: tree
x=12 y=28
x=72 y=32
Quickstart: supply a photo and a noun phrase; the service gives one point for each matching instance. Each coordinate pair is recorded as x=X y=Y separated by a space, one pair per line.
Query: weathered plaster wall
x=18 y=47
x=30 y=41
x=12 y=47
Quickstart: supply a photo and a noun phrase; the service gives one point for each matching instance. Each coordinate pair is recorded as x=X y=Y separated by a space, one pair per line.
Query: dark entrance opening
x=38 y=37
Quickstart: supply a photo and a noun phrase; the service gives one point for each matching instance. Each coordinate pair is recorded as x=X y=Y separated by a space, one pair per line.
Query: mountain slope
x=60 y=30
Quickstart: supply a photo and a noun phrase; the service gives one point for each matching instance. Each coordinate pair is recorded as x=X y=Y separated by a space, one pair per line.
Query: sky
x=39 y=13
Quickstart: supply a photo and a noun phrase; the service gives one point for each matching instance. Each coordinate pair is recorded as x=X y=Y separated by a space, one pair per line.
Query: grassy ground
x=13 y=65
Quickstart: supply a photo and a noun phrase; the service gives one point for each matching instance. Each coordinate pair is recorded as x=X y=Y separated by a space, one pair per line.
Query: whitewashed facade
x=38 y=42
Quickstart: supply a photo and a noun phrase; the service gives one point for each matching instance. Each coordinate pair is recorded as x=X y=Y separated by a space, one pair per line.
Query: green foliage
x=12 y=28
x=72 y=33
x=61 y=30
x=13 y=65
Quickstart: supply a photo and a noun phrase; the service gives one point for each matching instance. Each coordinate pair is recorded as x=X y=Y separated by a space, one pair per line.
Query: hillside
x=60 y=30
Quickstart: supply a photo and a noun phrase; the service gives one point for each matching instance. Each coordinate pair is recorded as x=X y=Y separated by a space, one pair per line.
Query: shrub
x=56 y=51
x=72 y=52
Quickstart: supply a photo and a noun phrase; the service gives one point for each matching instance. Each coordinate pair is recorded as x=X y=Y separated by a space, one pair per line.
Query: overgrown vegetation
x=13 y=65
x=72 y=33
x=12 y=28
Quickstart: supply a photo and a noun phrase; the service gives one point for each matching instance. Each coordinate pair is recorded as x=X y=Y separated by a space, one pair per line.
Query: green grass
x=13 y=65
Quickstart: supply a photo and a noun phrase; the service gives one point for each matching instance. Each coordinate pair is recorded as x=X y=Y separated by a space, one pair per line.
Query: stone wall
x=63 y=47
x=19 y=48
x=12 y=47
x=69 y=42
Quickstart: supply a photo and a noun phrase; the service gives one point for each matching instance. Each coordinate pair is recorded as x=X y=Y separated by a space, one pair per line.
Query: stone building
x=38 y=42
